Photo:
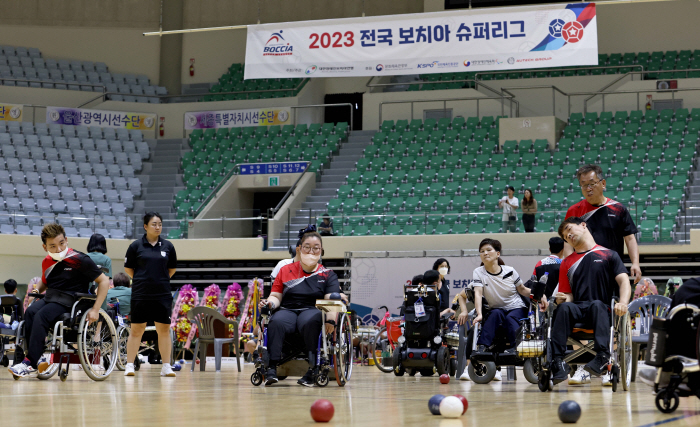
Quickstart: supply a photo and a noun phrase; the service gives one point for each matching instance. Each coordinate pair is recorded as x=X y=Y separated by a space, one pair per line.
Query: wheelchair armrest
x=35 y=295
x=85 y=296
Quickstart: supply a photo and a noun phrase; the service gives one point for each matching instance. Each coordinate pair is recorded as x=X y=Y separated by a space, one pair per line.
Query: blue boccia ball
x=569 y=411
x=177 y=367
x=434 y=404
x=182 y=361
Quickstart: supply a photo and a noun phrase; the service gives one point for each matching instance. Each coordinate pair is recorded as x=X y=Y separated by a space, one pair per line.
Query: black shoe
x=560 y=370
x=308 y=379
x=599 y=365
x=271 y=376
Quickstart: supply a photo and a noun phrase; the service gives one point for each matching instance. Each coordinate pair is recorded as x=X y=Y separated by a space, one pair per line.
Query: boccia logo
x=572 y=31
x=555 y=27
x=277 y=46
x=380 y=67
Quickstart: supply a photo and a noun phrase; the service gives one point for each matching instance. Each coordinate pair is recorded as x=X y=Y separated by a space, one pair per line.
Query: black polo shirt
x=609 y=223
x=150 y=264
x=590 y=275
x=72 y=274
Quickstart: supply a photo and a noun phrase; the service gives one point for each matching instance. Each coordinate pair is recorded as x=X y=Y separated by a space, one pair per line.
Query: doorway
x=342 y=114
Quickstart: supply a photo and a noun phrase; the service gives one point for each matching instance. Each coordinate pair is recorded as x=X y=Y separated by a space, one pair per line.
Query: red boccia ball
x=322 y=411
x=464 y=402
x=444 y=379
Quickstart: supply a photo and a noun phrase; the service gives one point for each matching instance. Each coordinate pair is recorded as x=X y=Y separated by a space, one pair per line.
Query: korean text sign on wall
x=11 y=112
x=101 y=118
x=441 y=42
x=237 y=118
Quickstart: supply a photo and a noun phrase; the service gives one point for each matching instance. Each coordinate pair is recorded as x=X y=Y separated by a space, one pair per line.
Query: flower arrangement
x=183 y=328
x=231 y=304
x=212 y=296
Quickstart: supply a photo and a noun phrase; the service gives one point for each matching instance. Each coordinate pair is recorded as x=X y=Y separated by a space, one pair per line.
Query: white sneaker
x=21 y=370
x=465 y=376
x=129 y=370
x=497 y=377
x=581 y=377
x=167 y=371
x=607 y=380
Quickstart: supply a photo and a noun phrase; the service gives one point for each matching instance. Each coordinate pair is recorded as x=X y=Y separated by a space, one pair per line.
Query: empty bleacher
x=446 y=177
x=25 y=67
x=216 y=152
x=232 y=81
x=671 y=64
x=82 y=177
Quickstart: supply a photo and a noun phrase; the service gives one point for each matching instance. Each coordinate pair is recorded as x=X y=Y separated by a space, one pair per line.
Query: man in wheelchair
x=65 y=274
x=589 y=278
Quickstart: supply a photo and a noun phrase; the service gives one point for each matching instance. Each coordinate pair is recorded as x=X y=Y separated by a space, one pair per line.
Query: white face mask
x=60 y=255
x=443 y=270
x=310 y=259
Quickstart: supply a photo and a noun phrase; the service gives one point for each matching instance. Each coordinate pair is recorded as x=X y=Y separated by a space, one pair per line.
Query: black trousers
x=284 y=323
x=500 y=318
x=595 y=314
x=529 y=222
x=39 y=318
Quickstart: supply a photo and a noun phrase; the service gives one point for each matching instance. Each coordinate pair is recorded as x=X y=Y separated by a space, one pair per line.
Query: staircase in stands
x=331 y=179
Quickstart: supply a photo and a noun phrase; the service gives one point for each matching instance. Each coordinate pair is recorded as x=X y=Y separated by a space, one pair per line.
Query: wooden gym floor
x=371 y=398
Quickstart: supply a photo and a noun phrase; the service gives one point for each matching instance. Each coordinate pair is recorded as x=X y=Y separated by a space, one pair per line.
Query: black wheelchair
x=75 y=341
x=334 y=353
x=528 y=344
x=8 y=335
x=673 y=368
x=619 y=348
x=424 y=348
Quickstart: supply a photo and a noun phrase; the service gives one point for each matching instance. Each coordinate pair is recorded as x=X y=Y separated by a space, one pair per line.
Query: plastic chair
x=647 y=307
x=204 y=318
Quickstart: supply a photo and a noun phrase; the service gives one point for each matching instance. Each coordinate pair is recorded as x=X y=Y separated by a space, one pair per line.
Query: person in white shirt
x=509 y=204
x=294 y=252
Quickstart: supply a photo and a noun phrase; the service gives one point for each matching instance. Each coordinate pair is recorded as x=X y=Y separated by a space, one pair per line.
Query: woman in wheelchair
x=502 y=288
x=65 y=273
x=293 y=301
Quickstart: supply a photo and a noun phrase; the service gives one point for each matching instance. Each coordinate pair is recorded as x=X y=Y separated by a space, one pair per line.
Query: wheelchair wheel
x=530 y=372
x=482 y=372
x=624 y=347
x=427 y=372
x=137 y=363
x=342 y=352
x=256 y=378
x=615 y=372
x=544 y=382
x=383 y=345
x=442 y=361
x=412 y=372
x=97 y=341
x=122 y=338
x=453 y=367
x=667 y=401
x=5 y=361
x=63 y=375
x=399 y=369
x=322 y=380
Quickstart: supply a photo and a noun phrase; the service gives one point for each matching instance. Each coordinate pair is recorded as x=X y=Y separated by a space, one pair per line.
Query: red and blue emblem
x=561 y=32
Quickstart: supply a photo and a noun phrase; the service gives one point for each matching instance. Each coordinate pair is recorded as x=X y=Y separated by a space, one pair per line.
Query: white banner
x=379 y=282
x=440 y=42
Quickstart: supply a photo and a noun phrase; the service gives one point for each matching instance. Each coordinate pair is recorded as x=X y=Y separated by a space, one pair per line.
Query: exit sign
x=273 y=181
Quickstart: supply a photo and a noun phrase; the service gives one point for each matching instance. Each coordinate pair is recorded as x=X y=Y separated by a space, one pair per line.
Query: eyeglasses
x=587 y=186
x=308 y=249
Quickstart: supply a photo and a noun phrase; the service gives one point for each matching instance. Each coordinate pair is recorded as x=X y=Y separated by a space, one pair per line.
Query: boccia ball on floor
x=444 y=379
x=322 y=411
x=451 y=407
x=434 y=404
x=177 y=366
x=464 y=402
x=569 y=411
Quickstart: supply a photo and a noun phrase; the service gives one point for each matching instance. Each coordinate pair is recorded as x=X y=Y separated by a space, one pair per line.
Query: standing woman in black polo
x=151 y=262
